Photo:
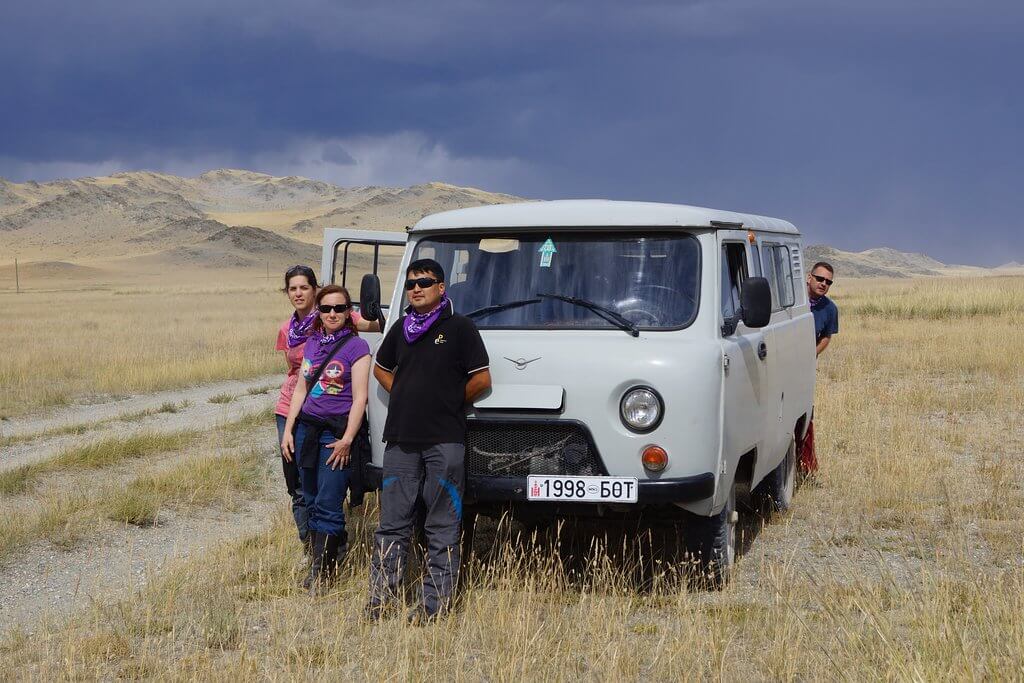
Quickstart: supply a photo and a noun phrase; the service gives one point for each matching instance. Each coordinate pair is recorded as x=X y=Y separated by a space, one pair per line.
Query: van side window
x=734 y=272
x=784 y=274
x=768 y=271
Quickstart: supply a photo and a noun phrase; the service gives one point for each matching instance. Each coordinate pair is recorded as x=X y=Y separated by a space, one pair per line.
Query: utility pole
x=17 y=279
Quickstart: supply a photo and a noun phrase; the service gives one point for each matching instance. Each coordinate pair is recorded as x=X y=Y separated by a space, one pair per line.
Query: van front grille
x=499 y=448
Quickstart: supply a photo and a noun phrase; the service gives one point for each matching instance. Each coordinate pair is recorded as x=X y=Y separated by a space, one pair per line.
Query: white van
x=645 y=358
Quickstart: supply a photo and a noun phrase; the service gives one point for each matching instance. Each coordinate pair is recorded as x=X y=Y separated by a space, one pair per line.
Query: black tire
x=711 y=544
x=775 y=492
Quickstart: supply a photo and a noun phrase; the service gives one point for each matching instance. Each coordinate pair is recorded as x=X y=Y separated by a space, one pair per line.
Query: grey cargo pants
x=436 y=473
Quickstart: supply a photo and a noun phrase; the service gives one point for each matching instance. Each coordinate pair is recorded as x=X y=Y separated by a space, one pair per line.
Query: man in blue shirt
x=826 y=315
x=826 y=323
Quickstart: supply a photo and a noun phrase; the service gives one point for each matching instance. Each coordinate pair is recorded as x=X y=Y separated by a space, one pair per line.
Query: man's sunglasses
x=822 y=279
x=423 y=282
x=337 y=308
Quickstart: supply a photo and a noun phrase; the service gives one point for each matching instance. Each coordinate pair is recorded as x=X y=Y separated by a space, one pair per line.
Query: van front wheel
x=711 y=544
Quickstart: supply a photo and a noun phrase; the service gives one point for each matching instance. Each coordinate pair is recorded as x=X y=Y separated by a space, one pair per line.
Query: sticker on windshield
x=546 y=251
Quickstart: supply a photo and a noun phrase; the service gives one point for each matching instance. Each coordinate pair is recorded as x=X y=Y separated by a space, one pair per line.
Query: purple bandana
x=417 y=324
x=299 y=330
x=326 y=339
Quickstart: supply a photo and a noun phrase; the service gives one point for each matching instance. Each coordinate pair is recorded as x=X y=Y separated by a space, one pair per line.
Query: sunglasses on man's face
x=423 y=283
x=337 y=308
x=822 y=279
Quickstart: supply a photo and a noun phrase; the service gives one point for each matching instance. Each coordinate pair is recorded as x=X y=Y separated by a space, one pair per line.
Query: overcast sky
x=865 y=122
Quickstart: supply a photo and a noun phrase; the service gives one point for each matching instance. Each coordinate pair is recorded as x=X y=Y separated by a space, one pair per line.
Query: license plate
x=584 y=489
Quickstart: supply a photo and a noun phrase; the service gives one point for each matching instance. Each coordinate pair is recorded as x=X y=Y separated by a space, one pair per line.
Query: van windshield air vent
x=516 y=448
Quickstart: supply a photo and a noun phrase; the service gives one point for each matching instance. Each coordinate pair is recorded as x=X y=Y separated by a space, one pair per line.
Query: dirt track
x=42 y=580
x=197 y=413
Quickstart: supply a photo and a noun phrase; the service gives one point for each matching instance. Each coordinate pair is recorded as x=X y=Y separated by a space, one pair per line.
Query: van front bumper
x=483 y=489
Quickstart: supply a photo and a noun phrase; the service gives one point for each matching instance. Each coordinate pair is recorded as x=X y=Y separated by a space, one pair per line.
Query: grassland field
x=79 y=345
x=902 y=559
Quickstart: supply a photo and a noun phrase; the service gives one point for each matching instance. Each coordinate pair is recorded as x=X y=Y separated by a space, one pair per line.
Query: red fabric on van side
x=808 y=458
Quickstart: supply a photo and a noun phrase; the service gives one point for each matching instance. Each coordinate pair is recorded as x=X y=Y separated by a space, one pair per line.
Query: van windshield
x=571 y=279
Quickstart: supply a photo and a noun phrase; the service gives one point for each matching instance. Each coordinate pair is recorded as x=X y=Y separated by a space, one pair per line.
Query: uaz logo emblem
x=521 y=363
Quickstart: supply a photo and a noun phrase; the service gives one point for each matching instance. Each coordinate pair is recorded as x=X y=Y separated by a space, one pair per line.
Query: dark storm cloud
x=865 y=123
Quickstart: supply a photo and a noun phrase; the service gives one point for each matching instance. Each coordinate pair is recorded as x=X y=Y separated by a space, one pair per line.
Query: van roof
x=597 y=213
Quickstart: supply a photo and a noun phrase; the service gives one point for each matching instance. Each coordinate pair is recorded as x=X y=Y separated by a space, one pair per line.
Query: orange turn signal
x=655 y=458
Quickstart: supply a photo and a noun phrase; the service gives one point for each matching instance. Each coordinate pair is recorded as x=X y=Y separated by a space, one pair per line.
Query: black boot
x=316 y=557
x=342 y=550
x=328 y=566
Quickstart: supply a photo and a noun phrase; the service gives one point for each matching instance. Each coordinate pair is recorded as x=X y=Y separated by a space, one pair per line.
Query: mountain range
x=224 y=218
x=240 y=219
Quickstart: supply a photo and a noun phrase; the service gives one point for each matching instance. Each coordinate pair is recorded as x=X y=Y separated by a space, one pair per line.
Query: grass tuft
x=199 y=480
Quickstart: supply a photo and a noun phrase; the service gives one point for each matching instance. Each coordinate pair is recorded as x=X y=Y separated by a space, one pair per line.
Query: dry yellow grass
x=69 y=346
x=901 y=560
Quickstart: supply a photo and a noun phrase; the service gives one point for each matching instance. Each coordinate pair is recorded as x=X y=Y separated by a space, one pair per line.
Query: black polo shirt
x=429 y=388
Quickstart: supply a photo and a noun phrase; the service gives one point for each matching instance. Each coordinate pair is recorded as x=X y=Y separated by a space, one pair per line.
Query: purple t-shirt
x=331 y=396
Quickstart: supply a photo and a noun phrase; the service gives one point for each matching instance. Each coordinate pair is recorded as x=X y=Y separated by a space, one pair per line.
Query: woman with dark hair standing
x=326 y=414
x=300 y=286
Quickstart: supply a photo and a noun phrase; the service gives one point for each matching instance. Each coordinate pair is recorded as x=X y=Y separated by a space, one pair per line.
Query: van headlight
x=641 y=409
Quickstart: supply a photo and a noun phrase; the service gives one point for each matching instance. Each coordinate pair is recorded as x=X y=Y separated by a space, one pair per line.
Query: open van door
x=348 y=255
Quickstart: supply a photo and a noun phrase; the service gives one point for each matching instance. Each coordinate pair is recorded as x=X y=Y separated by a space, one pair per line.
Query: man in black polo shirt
x=432 y=362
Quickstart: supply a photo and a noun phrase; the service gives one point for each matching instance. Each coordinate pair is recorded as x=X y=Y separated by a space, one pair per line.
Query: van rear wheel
x=775 y=492
x=711 y=544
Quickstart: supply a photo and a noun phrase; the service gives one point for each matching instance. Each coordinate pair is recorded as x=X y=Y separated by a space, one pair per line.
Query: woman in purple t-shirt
x=326 y=415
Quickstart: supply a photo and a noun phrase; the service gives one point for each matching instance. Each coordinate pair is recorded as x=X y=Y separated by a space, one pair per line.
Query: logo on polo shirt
x=440 y=339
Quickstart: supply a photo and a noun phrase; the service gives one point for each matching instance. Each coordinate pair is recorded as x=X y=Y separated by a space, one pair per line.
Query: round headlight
x=641 y=409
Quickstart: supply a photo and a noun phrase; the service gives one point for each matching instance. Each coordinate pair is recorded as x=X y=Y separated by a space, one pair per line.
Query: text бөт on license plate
x=582 y=489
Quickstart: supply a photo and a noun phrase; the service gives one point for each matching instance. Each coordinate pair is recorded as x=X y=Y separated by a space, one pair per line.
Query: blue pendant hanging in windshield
x=546 y=251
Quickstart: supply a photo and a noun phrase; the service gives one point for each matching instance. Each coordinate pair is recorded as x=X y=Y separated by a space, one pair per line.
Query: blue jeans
x=324 y=489
x=292 y=483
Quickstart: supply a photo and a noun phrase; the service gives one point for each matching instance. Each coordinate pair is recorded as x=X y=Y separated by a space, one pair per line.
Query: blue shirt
x=826 y=318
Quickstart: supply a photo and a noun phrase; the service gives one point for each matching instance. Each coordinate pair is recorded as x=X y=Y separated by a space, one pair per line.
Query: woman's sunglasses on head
x=337 y=308
x=423 y=282
x=822 y=279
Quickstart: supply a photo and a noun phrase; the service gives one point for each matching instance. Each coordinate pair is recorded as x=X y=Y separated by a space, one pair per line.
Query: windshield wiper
x=622 y=322
x=487 y=310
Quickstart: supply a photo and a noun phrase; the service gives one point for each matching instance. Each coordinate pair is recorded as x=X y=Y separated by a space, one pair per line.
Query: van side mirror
x=756 y=302
x=369 y=298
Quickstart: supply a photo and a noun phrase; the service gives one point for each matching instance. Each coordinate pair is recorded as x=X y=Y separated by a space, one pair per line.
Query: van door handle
x=762 y=350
